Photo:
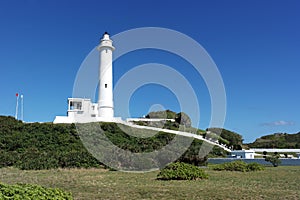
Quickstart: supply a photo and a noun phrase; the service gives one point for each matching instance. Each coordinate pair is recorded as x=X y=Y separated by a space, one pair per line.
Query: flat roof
x=242 y=151
x=276 y=150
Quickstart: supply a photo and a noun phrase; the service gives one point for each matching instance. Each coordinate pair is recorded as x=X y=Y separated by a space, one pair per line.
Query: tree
x=265 y=153
x=274 y=159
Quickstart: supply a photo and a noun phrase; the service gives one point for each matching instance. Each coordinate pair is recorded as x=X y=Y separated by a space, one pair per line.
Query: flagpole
x=22 y=107
x=17 y=105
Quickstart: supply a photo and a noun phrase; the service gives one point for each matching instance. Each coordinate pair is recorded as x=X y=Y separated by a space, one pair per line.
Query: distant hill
x=277 y=140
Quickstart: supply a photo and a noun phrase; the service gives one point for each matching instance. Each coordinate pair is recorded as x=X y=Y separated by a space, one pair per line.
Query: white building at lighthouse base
x=81 y=110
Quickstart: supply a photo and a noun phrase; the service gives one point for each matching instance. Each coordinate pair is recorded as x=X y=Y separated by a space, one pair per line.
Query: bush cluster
x=238 y=166
x=181 y=171
x=42 y=146
x=27 y=191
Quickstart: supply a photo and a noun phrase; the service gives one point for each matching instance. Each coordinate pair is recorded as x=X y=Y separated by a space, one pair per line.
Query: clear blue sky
x=255 y=44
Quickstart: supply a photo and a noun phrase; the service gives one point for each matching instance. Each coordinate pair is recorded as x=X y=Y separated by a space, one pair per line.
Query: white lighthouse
x=105 y=99
x=83 y=110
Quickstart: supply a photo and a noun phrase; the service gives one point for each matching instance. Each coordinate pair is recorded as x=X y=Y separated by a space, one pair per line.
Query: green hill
x=183 y=122
x=229 y=138
x=41 y=146
x=277 y=140
x=48 y=145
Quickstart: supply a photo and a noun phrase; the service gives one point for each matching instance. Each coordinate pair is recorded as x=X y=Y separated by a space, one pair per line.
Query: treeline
x=278 y=140
x=48 y=145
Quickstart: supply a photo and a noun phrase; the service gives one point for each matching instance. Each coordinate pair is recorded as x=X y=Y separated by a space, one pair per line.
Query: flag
x=17 y=94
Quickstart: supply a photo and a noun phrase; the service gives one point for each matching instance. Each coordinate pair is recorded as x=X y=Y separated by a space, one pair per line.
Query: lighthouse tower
x=105 y=99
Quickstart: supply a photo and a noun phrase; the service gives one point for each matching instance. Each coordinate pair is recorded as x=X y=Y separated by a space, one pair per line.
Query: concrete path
x=187 y=134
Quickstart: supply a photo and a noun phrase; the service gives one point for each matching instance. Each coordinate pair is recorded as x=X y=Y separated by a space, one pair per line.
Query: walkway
x=186 y=134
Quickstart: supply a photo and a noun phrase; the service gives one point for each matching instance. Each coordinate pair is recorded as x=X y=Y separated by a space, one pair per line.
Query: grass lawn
x=273 y=183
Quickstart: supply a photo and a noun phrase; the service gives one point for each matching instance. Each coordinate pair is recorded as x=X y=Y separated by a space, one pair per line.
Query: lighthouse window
x=105 y=50
x=105 y=85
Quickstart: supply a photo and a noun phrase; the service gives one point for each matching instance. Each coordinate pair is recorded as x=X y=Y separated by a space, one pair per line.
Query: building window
x=105 y=85
x=74 y=105
x=78 y=105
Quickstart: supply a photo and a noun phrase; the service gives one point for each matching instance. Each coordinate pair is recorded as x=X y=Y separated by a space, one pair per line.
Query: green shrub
x=181 y=171
x=232 y=166
x=27 y=191
x=238 y=166
x=255 y=167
